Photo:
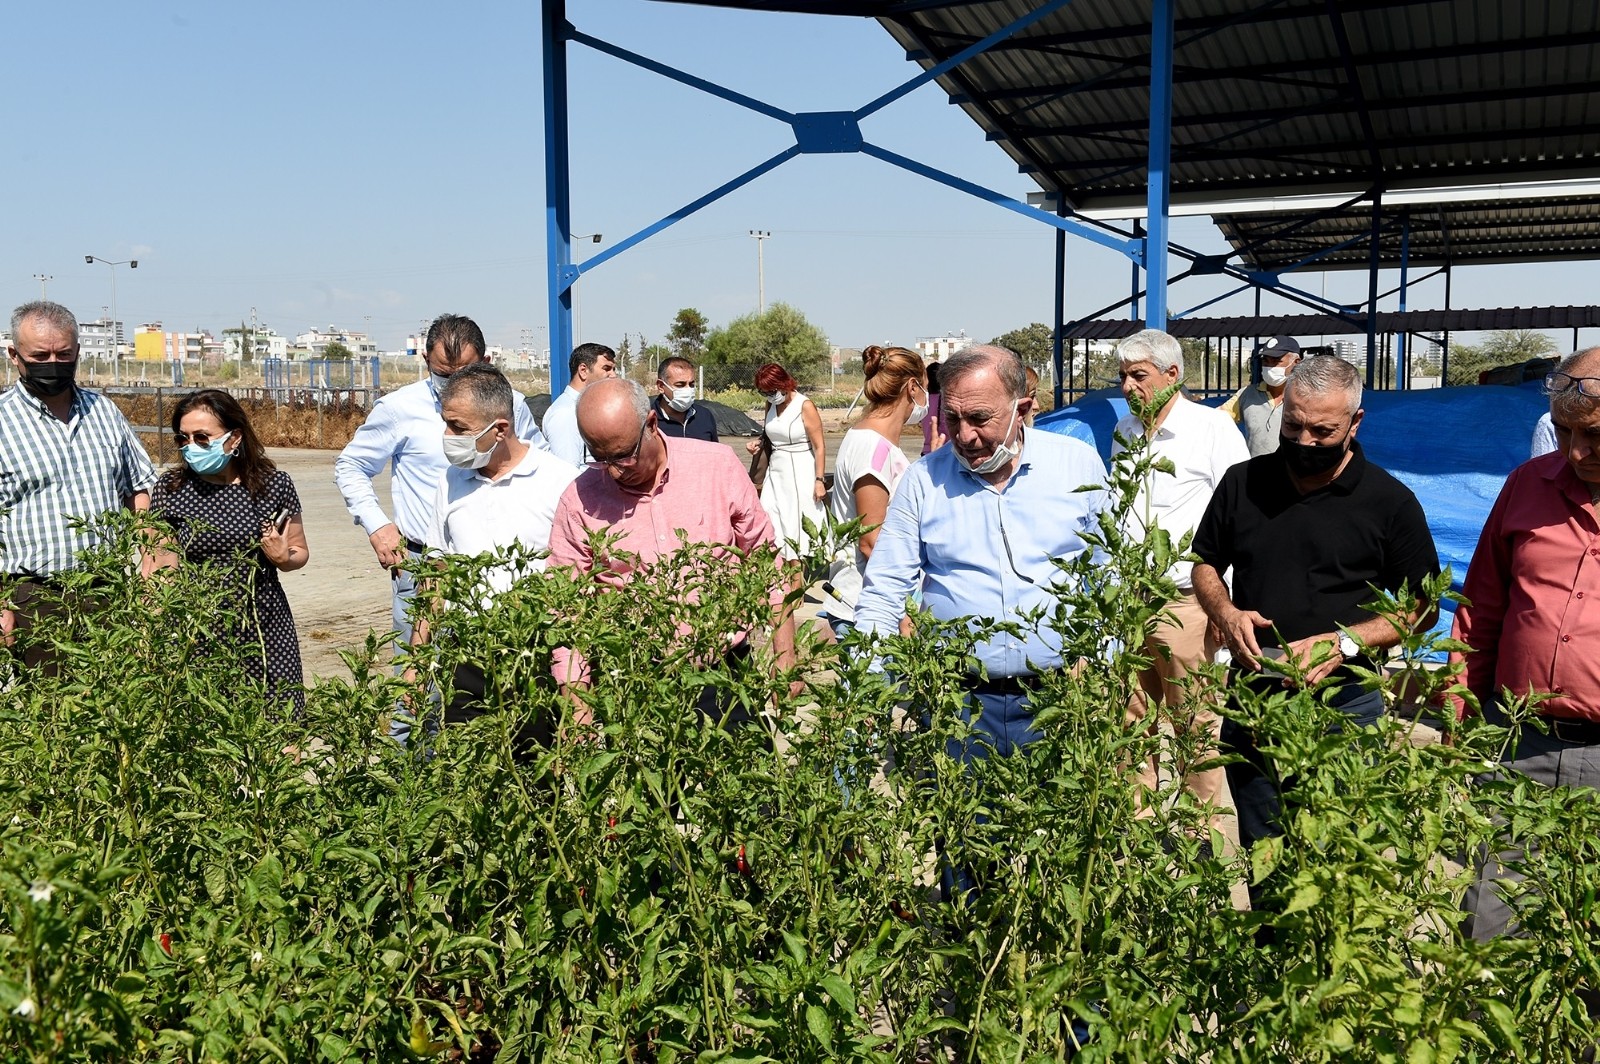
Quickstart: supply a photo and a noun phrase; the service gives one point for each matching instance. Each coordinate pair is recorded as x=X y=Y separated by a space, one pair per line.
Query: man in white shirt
x=1201 y=443
x=405 y=431
x=498 y=493
x=589 y=363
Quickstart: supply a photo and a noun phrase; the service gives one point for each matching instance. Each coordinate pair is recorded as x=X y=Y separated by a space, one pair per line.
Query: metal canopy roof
x=1452 y=234
x=1287 y=98
x=1415 y=321
x=1281 y=96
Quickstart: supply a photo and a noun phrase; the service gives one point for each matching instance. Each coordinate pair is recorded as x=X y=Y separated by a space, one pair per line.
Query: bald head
x=1003 y=363
x=611 y=411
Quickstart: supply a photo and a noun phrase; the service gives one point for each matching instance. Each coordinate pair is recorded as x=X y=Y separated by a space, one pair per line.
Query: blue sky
x=328 y=162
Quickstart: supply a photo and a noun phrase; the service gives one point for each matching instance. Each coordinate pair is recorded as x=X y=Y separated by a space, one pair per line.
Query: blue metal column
x=1157 y=190
x=1061 y=299
x=1133 y=272
x=1402 y=370
x=557 y=192
x=1373 y=260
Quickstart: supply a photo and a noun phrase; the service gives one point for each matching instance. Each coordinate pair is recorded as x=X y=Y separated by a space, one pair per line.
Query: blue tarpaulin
x=1453 y=447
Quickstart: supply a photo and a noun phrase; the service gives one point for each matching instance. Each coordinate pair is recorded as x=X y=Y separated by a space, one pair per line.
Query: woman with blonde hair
x=870 y=461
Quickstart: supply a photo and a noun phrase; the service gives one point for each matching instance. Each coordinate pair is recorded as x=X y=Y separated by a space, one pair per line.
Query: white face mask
x=918 y=410
x=774 y=398
x=1274 y=376
x=438 y=379
x=681 y=399
x=462 y=451
x=1002 y=453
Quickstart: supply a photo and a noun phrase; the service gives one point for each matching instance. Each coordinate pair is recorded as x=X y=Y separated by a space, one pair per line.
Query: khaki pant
x=36 y=607
x=1178 y=646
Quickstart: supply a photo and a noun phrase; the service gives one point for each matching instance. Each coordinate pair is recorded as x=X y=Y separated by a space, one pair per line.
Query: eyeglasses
x=623 y=463
x=1556 y=383
x=201 y=438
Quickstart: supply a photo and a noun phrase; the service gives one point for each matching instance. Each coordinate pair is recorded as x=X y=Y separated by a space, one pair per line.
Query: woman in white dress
x=791 y=442
x=870 y=462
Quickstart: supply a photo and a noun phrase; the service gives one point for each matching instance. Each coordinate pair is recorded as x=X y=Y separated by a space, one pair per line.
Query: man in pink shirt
x=656 y=495
x=1533 y=611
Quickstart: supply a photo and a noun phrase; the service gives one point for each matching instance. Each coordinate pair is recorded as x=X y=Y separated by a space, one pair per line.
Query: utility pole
x=761 y=236
x=43 y=279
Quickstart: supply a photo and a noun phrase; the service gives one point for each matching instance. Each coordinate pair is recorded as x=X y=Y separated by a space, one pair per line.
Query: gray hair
x=1321 y=374
x=1573 y=403
x=1161 y=350
x=484 y=387
x=53 y=314
x=1003 y=361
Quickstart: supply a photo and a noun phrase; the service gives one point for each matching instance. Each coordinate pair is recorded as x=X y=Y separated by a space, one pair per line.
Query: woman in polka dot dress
x=231 y=509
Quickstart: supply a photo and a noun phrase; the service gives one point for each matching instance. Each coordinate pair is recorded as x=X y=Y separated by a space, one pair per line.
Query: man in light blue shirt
x=976 y=527
x=589 y=363
x=405 y=429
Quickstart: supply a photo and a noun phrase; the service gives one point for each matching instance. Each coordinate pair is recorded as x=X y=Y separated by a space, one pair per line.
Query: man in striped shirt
x=67 y=457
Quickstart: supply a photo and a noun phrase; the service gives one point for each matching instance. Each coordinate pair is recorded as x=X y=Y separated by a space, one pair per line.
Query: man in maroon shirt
x=1533 y=612
x=645 y=488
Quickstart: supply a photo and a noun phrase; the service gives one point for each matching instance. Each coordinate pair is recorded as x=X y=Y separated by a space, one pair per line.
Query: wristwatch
x=1347 y=647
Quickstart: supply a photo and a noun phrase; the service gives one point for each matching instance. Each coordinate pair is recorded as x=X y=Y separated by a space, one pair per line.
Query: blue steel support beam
x=557 y=190
x=1133 y=274
x=1157 y=186
x=1373 y=261
x=1061 y=300
x=960 y=57
x=1130 y=248
x=674 y=74
x=1402 y=373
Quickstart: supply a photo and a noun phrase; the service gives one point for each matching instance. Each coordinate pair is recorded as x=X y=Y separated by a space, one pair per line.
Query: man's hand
x=386 y=545
x=1238 y=631
x=8 y=627
x=753 y=445
x=1305 y=651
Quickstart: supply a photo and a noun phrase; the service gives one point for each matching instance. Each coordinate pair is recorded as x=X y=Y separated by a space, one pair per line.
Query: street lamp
x=761 y=236
x=116 y=339
x=577 y=307
x=44 y=280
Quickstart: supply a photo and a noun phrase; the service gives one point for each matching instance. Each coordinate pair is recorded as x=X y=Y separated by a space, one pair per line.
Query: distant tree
x=687 y=334
x=1034 y=344
x=246 y=338
x=337 y=352
x=1505 y=347
x=624 y=356
x=780 y=334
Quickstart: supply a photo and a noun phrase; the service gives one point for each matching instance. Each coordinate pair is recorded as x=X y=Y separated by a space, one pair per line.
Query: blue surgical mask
x=208 y=459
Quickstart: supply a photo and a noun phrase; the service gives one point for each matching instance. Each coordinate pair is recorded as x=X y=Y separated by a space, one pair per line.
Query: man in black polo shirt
x=1306 y=530
x=676 y=412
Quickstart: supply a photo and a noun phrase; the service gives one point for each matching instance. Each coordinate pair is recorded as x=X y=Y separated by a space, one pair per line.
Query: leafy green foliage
x=1504 y=347
x=186 y=874
x=779 y=334
x=1031 y=343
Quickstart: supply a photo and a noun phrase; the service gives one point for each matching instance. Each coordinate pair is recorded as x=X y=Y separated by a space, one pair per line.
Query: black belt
x=414 y=547
x=1575 y=731
x=1005 y=685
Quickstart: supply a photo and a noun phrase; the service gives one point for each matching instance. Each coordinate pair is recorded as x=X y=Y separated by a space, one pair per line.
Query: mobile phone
x=280 y=520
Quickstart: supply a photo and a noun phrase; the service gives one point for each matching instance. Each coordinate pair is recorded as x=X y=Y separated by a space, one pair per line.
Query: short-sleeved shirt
x=56 y=474
x=698 y=423
x=863 y=454
x=1259 y=415
x=1305 y=562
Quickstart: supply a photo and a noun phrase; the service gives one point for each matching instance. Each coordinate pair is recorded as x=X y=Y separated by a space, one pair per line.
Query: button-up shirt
x=561 y=428
x=473 y=514
x=1202 y=444
x=405 y=428
x=1534 y=620
x=56 y=473
x=979 y=551
x=703 y=491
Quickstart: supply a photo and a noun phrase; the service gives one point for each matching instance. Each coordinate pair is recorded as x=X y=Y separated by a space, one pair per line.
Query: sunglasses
x=202 y=438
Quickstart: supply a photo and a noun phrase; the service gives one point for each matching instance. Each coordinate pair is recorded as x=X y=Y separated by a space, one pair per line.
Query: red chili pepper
x=166 y=943
x=611 y=822
x=902 y=912
x=741 y=864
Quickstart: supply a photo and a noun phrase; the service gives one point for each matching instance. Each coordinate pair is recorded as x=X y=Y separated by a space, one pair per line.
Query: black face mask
x=49 y=379
x=1306 y=461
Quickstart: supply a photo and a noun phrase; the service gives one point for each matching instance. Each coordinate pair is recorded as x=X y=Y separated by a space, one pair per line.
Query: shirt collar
x=1558 y=471
x=80 y=401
